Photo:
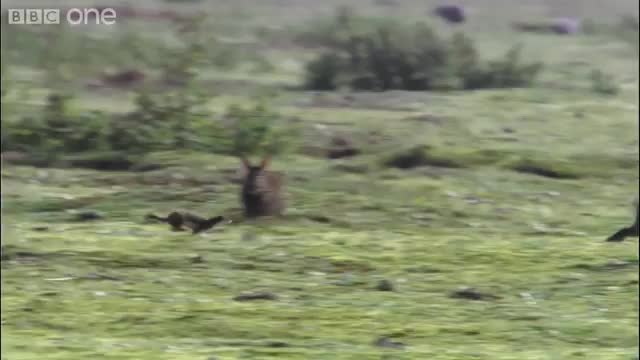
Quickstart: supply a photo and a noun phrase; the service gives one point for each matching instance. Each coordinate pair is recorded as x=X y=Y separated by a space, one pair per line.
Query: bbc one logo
x=73 y=16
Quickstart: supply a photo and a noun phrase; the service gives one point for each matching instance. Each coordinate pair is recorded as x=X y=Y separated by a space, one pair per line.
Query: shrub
x=417 y=156
x=256 y=130
x=603 y=83
x=387 y=56
x=508 y=72
x=625 y=30
x=160 y=121
x=55 y=131
x=322 y=72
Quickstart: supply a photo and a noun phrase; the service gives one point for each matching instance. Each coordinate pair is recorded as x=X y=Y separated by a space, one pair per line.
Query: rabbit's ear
x=265 y=162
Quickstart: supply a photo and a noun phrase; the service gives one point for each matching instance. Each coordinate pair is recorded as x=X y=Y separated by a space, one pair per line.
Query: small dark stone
x=320 y=219
x=341 y=147
x=88 y=215
x=566 y=26
x=385 y=285
x=277 y=344
x=124 y=78
x=40 y=228
x=196 y=259
x=388 y=343
x=263 y=295
x=472 y=294
x=451 y=13
x=339 y=153
x=110 y=161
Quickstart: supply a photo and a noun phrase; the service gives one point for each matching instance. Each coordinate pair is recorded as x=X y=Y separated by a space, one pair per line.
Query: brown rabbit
x=261 y=190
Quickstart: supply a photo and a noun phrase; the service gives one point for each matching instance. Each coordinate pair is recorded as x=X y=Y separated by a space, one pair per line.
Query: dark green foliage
x=390 y=56
x=508 y=72
x=256 y=130
x=322 y=72
x=55 y=131
x=161 y=121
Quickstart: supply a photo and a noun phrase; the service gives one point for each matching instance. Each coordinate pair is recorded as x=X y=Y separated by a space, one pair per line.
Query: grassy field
x=121 y=288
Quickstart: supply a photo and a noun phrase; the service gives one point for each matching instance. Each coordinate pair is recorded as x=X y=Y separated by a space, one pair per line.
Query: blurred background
x=452 y=170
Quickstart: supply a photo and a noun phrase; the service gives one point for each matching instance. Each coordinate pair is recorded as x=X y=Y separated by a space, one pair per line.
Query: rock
x=388 y=343
x=263 y=295
x=565 y=26
x=453 y=14
x=277 y=344
x=123 y=79
x=88 y=215
x=385 y=285
x=341 y=147
x=104 y=161
x=472 y=294
x=320 y=219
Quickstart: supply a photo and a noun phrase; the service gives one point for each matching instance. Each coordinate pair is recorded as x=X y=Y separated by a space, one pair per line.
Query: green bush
x=55 y=131
x=322 y=72
x=387 y=56
x=257 y=130
x=160 y=121
x=603 y=83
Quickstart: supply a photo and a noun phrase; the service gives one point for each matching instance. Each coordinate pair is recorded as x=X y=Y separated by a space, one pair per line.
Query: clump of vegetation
x=378 y=55
x=603 y=83
x=625 y=29
x=56 y=130
x=161 y=121
x=257 y=130
x=545 y=169
x=419 y=156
